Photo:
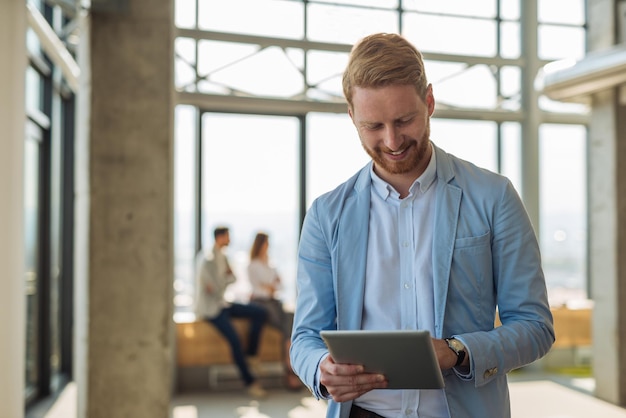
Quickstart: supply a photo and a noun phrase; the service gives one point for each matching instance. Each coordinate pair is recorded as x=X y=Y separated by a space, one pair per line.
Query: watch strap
x=460 y=354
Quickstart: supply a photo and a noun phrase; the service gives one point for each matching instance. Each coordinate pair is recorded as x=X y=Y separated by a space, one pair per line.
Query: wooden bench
x=199 y=343
x=204 y=358
x=572 y=327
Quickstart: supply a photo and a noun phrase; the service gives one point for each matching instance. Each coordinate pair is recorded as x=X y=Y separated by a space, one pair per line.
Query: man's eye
x=372 y=127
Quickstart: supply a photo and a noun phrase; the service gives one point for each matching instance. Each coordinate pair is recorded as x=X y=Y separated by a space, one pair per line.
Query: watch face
x=456 y=345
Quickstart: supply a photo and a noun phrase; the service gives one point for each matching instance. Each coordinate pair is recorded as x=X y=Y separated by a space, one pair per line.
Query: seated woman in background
x=265 y=283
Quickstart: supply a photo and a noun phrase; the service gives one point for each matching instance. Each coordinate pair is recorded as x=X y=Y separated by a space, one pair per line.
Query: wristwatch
x=458 y=348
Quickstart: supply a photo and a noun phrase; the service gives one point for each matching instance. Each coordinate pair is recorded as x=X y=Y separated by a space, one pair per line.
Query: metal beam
x=261 y=105
x=306 y=45
x=54 y=47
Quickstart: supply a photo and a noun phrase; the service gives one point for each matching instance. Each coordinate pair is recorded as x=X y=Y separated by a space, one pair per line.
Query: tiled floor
x=533 y=395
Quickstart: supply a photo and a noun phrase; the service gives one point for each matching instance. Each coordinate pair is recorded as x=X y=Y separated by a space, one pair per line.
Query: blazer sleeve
x=527 y=332
x=315 y=305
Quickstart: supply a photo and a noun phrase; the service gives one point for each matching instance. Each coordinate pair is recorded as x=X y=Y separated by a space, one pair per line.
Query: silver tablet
x=406 y=358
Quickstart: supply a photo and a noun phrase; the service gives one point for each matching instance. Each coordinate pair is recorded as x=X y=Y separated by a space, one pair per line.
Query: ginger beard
x=417 y=151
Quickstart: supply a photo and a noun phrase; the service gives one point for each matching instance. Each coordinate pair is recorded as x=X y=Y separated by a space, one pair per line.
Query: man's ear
x=350 y=113
x=430 y=100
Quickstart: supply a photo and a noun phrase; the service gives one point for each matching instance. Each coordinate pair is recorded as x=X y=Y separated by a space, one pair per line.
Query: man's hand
x=345 y=382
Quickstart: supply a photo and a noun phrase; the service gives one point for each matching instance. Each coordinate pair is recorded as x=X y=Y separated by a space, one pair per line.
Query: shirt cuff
x=464 y=372
x=320 y=390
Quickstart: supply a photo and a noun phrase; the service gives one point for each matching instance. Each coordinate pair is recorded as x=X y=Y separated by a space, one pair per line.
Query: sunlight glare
x=309 y=408
x=185 y=411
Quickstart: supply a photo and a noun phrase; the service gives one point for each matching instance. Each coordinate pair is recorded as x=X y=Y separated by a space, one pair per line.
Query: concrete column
x=607 y=216
x=12 y=120
x=620 y=285
x=124 y=206
x=603 y=245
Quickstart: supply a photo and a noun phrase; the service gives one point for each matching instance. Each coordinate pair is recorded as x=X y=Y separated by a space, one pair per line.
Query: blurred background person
x=266 y=285
x=213 y=276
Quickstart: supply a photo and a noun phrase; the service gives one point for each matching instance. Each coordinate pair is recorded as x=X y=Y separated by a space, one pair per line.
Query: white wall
x=13 y=63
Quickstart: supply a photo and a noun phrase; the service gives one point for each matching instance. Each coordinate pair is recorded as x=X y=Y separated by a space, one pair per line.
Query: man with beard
x=417 y=239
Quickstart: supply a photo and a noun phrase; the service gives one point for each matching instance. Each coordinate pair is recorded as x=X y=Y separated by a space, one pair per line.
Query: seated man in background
x=213 y=275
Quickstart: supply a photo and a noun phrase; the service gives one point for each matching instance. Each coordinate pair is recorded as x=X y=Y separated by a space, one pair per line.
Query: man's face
x=393 y=123
x=223 y=240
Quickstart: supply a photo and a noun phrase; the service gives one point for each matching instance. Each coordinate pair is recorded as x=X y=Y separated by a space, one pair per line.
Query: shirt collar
x=424 y=181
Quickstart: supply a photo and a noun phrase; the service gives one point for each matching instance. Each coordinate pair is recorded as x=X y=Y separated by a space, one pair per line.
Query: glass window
x=216 y=55
x=471 y=87
x=510 y=46
x=511 y=153
x=386 y=4
x=329 y=23
x=460 y=85
x=510 y=87
x=432 y=33
x=185 y=13
x=332 y=141
x=509 y=9
x=277 y=18
x=559 y=42
x=32 y=40
x=185 y=63
x=563 y=211
x=185 y=175
x=324 y=74
x=489 y=28
x=34 y=90
x=249 y=183
x=471 y=140
x=269 y=72
x=551 y=11
x=479 y=8
x=48 y=218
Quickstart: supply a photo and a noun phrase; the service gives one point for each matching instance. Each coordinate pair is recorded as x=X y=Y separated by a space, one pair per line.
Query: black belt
x=358 y=412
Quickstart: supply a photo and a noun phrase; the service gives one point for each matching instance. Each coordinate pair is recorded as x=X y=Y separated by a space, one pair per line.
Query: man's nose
x=393 y=138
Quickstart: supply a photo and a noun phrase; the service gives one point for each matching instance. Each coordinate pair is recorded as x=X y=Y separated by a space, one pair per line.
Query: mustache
x=405 y=145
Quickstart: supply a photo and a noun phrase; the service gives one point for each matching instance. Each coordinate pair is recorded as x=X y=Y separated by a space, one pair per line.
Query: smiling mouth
x=397 y=152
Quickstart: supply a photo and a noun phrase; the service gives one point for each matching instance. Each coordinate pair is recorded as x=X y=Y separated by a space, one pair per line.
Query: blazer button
x=490 y=372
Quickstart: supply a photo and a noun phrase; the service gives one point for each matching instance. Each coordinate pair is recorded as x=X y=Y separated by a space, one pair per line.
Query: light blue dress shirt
x=399 y=282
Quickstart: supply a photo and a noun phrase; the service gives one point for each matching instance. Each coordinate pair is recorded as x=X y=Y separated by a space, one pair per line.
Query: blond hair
x=384 y=59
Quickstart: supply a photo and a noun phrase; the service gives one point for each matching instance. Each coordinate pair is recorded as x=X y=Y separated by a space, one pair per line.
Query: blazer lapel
x=448 y=203
x=352 y=236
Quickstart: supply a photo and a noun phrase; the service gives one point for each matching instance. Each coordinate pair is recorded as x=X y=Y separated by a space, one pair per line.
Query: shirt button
x=409 y=411
x=406 y=286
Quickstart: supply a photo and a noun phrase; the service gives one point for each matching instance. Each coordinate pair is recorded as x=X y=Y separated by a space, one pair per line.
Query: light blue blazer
x=485 y=256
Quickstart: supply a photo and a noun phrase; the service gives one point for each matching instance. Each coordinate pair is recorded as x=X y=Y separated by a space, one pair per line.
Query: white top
x=260 y=274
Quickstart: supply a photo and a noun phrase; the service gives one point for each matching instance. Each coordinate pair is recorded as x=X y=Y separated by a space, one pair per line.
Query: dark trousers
x=357 y=412
x=257 y=317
